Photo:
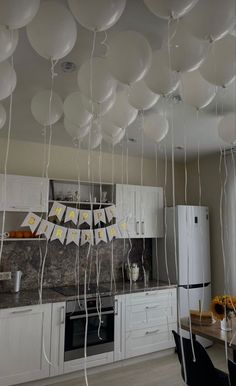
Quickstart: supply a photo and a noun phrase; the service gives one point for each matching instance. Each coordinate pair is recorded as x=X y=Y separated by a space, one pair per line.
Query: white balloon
x=41 y=111
x=141 y=97
x=95 y=137
x=74 y=110
x=97 y=15
x=211 y=19
x=76 y=131
x=122 y=114
x=195 y=90
x=156 y=127
x=219 y=68
x=99 y=109
x=129 y=56
x=227 y=128
x=160 y=79
x=7 y=79
x=3 y=116
x=109 y=128
x=53 y=31
x=113 y=139
x=170 y=9
x=17 y=13
x=97 y=83
x=184 y=52
x=8 y=42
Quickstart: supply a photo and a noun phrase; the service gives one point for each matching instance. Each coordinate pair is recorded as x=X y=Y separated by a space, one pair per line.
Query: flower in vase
x=223 y=306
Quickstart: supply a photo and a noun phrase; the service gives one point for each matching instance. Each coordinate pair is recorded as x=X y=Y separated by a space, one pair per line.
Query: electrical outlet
x=5 y=275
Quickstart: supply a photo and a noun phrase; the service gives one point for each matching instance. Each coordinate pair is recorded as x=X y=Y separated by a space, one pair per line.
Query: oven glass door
x=100 y=335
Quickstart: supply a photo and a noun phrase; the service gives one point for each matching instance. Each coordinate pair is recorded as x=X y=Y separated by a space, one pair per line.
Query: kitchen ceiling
x=189 y=128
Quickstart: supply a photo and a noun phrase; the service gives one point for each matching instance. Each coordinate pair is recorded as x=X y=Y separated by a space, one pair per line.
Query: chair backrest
x=232 y=372
x=200 y=372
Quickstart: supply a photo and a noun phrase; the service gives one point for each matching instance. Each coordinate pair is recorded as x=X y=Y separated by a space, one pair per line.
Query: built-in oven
x=100 y=316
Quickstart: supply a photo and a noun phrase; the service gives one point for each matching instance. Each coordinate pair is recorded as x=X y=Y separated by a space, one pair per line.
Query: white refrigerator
x=187 y=262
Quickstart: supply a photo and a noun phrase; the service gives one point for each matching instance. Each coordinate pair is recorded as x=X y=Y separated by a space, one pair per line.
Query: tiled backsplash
x=60 y=266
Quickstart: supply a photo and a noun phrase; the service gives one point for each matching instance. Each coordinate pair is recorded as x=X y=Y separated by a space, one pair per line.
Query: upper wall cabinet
x=24 y=194
x=143 y=207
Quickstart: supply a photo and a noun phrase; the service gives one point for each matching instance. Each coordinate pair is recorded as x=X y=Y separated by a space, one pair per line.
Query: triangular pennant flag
x=99 y=216
x=110 y=212
x=87 y=236
x=59 y=233
x=57 y=210
x=46 y=228
x=72 y=214
x=85 y=216
x=73 y=236
x=113 y=232
x=100 y=235
x=32 y=221
x=123 y=228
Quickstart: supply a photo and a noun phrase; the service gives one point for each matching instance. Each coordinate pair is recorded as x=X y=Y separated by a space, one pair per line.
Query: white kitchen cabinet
x=150 y=318
x=142 y=207
x=57 y=338
x=24 y=193
x=24 y=338
x=119 y=336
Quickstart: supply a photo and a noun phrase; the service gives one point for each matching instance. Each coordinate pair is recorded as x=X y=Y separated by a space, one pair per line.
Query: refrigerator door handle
x=192 y=286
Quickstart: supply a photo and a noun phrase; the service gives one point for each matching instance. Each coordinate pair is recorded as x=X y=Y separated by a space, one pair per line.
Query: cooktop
x=73 y=290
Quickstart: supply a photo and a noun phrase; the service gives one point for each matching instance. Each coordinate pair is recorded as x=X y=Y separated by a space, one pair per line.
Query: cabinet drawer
x=156 y=297
x=150 y=315
x=149 y=340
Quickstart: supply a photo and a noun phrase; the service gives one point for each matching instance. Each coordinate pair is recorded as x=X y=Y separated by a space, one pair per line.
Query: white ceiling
x=33 y=74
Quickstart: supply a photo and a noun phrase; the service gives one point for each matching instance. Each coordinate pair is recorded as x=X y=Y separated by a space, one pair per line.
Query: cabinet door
x=127 y=197
x=24 y=194
x=151 y=207
x=57 y=338
x=24 y=342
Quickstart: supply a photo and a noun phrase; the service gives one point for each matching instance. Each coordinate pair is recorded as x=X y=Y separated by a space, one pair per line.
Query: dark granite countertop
x=26 y=298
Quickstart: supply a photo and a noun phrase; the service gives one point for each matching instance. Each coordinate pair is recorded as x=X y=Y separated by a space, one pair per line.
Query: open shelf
x=82 y=202
x=24 y=239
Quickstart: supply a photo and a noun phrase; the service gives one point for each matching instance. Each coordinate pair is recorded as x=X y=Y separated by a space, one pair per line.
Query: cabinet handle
x=22 y=311
x=151 y=307
x=150 y=293
x=137 y=227
x=62 y=314
x=142 y=227
x=116 y=306
x=151 y=332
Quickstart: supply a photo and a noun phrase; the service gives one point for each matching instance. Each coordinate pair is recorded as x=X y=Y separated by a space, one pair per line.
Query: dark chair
x=232 y=372
x=202 y=371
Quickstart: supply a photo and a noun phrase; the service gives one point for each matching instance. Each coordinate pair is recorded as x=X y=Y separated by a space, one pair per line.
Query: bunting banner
x=45 y=228
x=72 y=214
x=32 y=221
x=110 y=212
x=87 y=236
x=99 y=216
x=100 y=235
x=85 y=216
x=73 y=236
x=57 y=210
x=59 y=233
x=78 y=236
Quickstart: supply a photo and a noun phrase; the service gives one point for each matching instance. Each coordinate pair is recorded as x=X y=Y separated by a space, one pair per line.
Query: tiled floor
x=153 y=372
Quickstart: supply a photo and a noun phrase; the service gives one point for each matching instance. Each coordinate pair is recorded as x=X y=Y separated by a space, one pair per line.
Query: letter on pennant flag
x=100 y=235
x=123 y=228
x=32 y=221
x=57 y=210
x=110 y=212
x=113 y=232
x=99 y=216
x=87 y=236
x=46 y=228
x=72 y=214
x=73 y=236
x=85 y=216
x=59 y=233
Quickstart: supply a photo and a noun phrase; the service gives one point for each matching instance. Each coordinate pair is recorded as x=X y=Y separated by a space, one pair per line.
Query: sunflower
x=222 y=306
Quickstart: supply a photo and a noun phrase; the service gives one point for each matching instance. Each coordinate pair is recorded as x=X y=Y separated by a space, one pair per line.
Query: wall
x=211 y=188
x=26 y=158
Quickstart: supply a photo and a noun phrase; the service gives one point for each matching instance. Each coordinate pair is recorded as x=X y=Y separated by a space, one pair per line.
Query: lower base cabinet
x=24 y=343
